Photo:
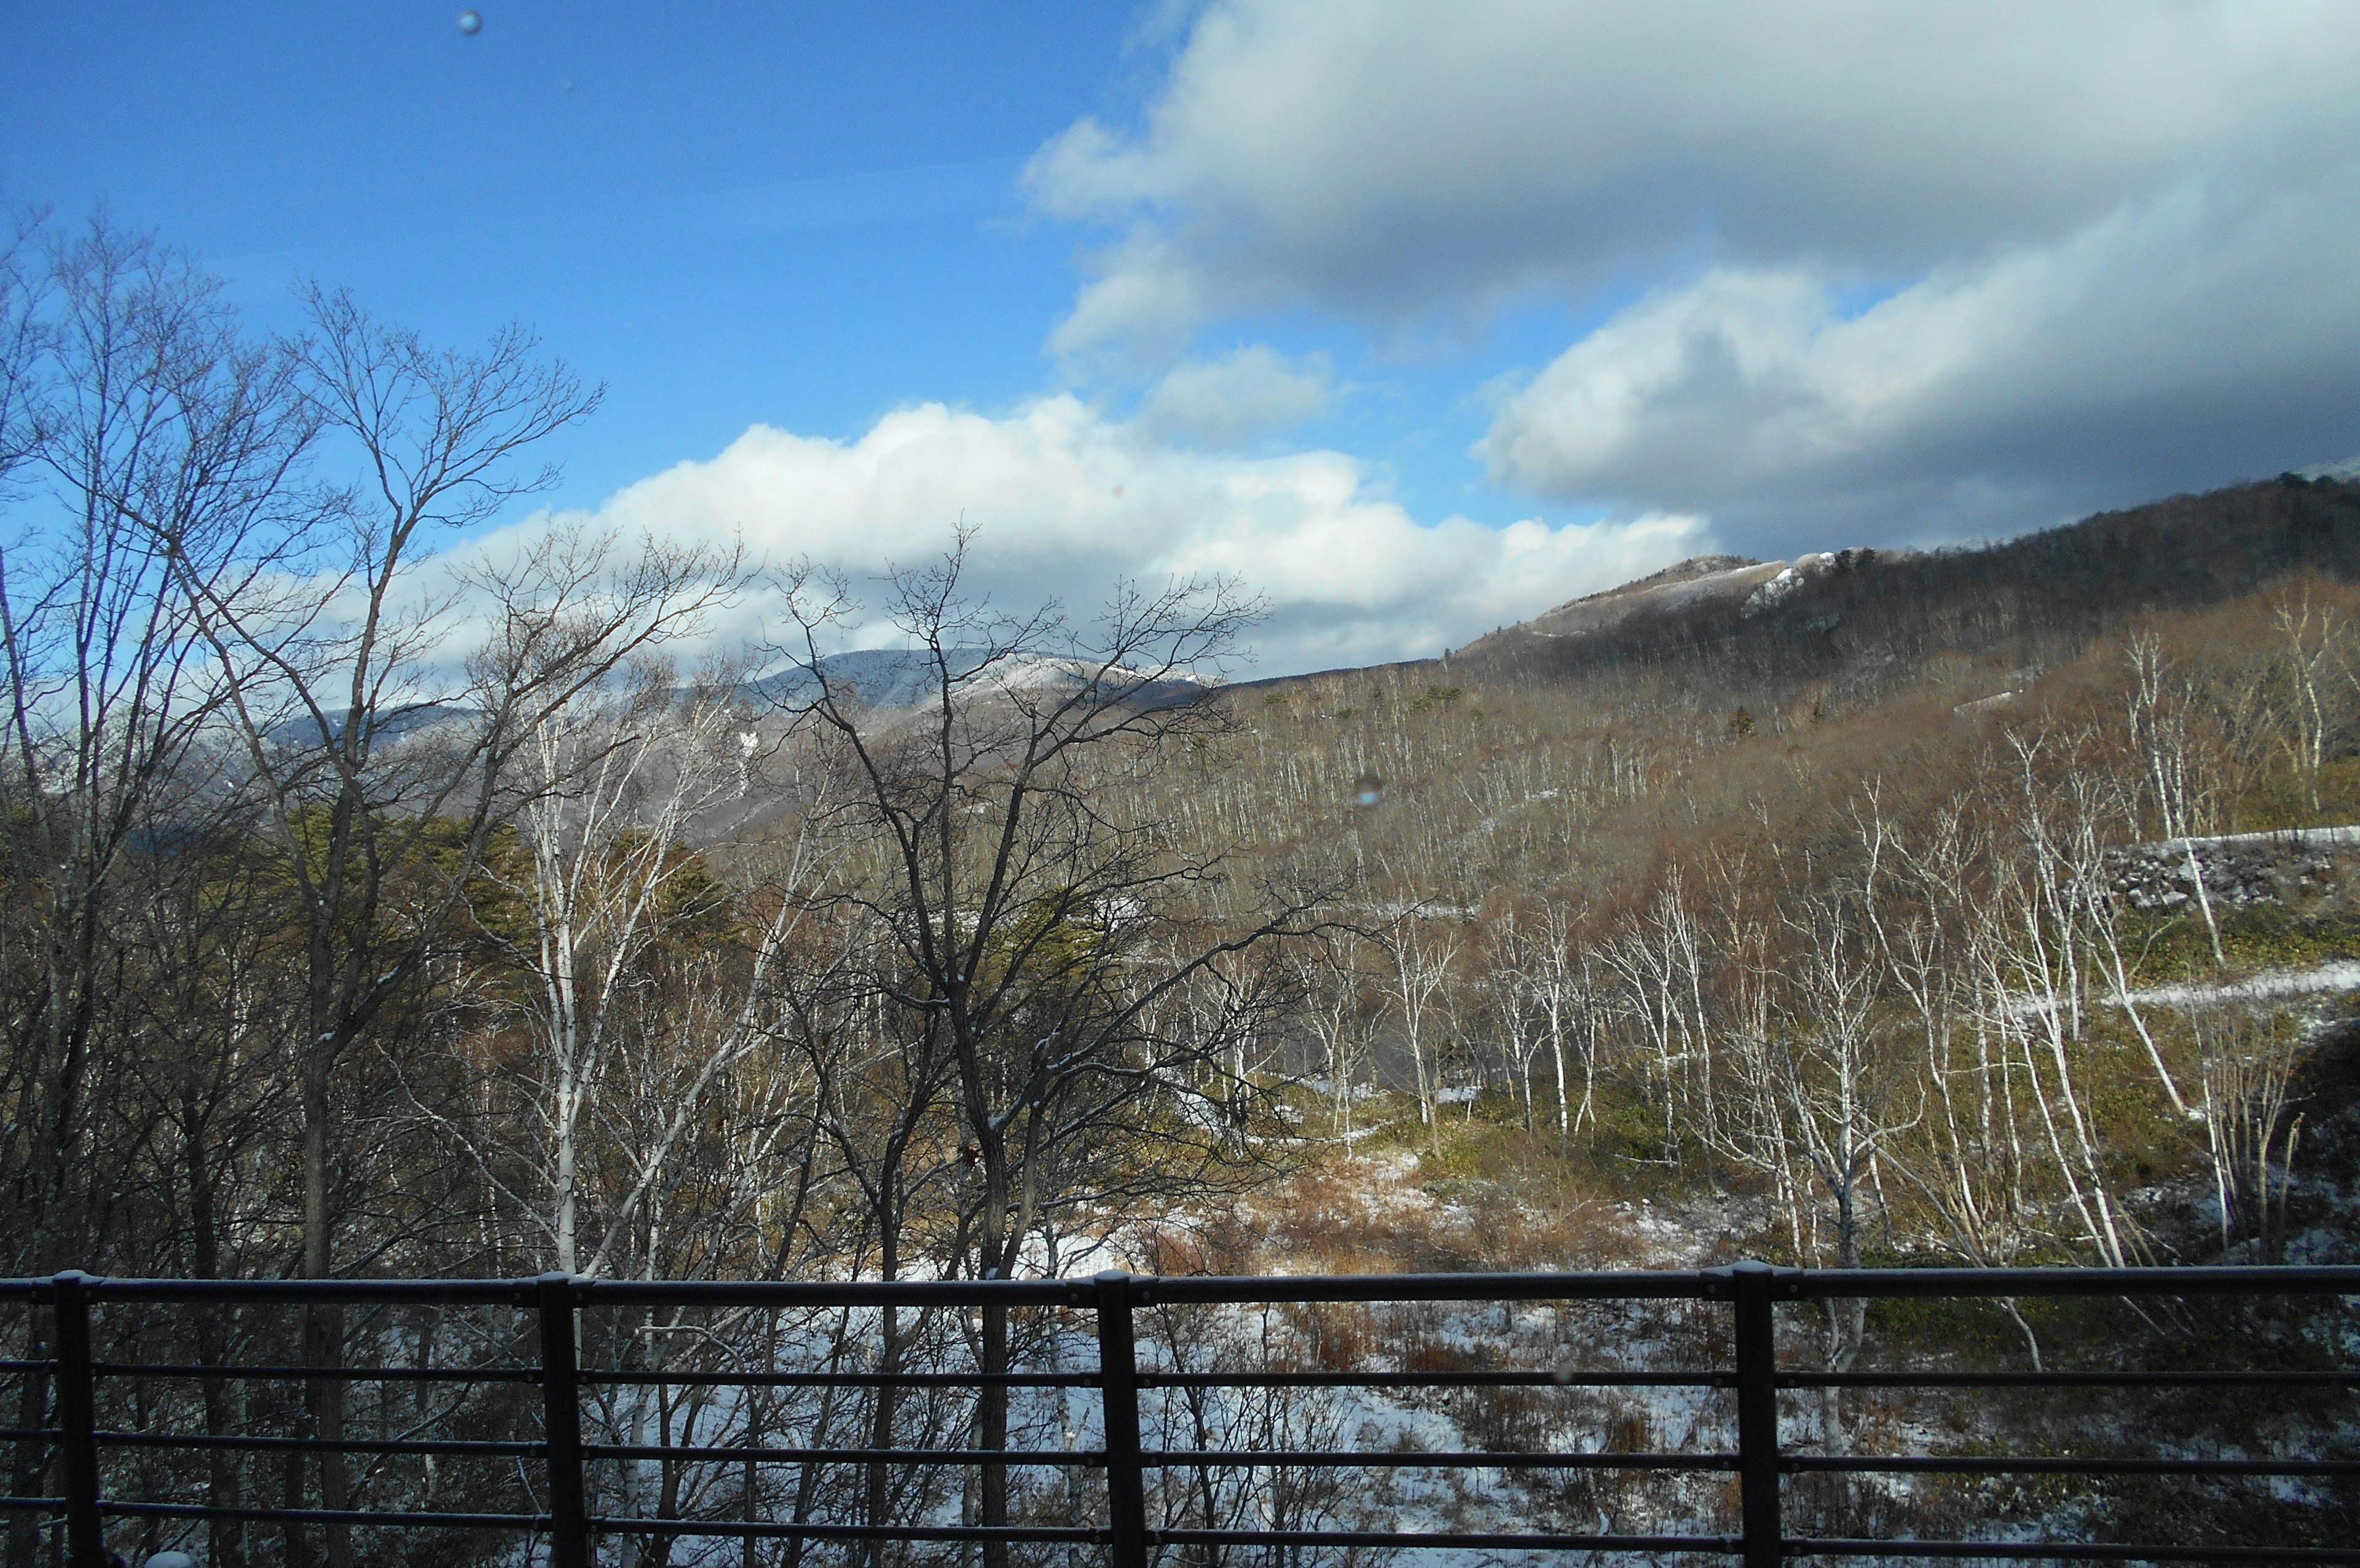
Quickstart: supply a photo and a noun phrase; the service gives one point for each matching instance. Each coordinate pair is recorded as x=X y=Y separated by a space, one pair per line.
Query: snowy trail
x=2341 y=975
x=2308 y=838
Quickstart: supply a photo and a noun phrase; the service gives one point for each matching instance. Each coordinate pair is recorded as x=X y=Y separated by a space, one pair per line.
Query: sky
x=1417 y=320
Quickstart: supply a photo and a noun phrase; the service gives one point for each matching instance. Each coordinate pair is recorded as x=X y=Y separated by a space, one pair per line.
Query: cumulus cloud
x=1229 y=402
x=1385 y=155
x=2198 y=338
x=2101 y=245
x=1067 y=500
x=1148 y=301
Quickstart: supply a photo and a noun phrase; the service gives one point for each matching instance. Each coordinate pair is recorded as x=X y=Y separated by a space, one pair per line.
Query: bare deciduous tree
x=384 y=770
x=1084 y=971
x=1421 y=958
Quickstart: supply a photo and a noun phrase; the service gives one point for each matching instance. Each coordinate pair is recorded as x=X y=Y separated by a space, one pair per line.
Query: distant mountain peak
x=1693 y=567
x=889 y=681
x=1700 y=579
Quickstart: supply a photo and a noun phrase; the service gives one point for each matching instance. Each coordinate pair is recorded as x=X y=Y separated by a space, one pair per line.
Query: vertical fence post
x=561 y=1392
x=1757 y=1416
x=78 y=1421
x=1118 y=1394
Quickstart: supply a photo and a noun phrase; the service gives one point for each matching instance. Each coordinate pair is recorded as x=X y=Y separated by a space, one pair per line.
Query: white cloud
x=1386 y=155
x=2197 y=338
x=1140 y=313
x=1229 y=402
x=2108 y=241
x=1067 y=501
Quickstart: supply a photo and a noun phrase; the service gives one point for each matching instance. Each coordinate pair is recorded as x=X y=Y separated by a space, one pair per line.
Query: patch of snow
x=2290 y=837
x=2341 y=975
x=1791 y=576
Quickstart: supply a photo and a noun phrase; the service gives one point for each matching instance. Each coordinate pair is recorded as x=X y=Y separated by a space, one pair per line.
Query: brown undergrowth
x=1353 y=1216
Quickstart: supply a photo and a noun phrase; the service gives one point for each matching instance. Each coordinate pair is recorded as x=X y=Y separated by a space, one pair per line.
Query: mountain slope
x=887 y=682
x=1853 y=612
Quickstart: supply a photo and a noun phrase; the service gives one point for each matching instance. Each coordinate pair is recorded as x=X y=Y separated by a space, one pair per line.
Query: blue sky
x=1419 y=319
x=777 y=213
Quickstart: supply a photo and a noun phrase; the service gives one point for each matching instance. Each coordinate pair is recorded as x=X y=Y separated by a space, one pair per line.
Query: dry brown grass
x=1352 y=1216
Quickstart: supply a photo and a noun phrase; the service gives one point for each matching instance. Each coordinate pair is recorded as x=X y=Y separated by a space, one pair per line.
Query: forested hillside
x=358 y=917
x=1826 y=900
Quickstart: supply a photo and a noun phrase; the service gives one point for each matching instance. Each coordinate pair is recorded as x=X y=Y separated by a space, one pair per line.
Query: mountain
x=1706 y=584
x=881 y=678
x=1847 y=614
x=1700 y=579
x=889 y=681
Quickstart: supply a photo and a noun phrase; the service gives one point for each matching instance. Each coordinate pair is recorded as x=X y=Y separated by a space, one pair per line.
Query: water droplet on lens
x=1368 y=791
x=471 y=23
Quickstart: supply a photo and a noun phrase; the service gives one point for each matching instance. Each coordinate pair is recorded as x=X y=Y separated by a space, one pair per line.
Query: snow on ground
x=2343 y=974
x=2292 y=838
x=1790 y=577
x=2268 y=985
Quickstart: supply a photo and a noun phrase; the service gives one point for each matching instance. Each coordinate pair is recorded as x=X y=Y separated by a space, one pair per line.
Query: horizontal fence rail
x=61 y=1473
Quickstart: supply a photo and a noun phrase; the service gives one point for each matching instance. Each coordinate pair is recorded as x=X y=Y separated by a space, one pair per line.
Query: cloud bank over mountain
x=1842 y=266
x=1772 y=280
x=2195 y=340
x=1066 y=500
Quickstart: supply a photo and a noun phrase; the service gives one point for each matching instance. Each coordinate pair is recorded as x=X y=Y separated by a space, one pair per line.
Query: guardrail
x=66 y=1455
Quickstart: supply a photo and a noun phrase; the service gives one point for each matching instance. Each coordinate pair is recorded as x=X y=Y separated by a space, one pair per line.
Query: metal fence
x=68 y=1455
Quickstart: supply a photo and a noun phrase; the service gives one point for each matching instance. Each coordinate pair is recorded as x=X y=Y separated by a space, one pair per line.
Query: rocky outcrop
x=2299 y=866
